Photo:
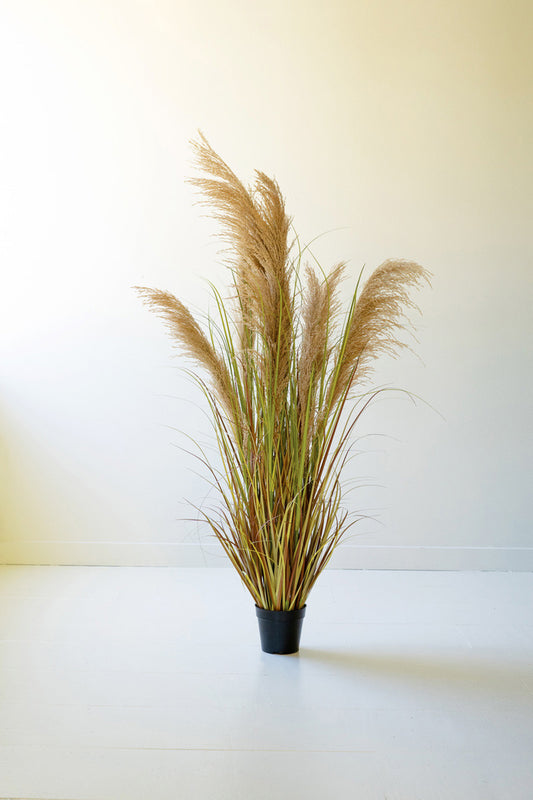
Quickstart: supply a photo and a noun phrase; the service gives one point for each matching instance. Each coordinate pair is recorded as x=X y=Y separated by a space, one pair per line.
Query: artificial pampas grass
x=281 y=369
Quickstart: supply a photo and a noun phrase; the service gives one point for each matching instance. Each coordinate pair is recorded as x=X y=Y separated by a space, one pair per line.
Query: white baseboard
x=347 y=556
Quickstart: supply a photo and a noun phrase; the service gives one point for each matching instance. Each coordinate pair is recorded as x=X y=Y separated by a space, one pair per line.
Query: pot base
x=280 y=630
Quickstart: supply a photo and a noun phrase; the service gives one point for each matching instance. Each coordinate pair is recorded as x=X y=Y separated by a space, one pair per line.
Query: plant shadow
x=495 y=676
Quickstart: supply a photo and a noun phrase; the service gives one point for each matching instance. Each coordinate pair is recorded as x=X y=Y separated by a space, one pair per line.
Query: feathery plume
x=182 y=327
x=256 y=226
x=376 y=323
x=319 y=308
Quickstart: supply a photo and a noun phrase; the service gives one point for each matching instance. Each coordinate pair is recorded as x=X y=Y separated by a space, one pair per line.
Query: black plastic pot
x=280 y=630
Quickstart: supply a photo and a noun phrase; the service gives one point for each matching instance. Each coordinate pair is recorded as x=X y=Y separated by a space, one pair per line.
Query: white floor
x=149 y=684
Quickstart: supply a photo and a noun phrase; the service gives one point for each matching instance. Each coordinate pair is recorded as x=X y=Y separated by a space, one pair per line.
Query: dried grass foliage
x=282 y=369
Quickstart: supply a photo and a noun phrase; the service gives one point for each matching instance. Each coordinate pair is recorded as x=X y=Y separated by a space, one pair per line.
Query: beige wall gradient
x=405 y=124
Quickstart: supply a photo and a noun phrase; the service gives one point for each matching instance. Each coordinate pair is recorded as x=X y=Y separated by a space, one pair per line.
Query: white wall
x=407 y=123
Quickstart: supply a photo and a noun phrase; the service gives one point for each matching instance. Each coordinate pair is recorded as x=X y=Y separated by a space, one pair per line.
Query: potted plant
x=280 y=368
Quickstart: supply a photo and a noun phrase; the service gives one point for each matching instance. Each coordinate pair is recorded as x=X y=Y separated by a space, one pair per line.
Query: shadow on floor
x=504 y=677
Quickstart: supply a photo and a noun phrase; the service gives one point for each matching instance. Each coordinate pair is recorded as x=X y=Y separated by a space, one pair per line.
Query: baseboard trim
x=194 y=554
